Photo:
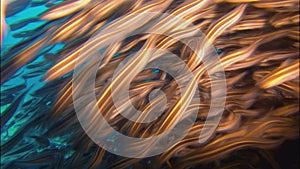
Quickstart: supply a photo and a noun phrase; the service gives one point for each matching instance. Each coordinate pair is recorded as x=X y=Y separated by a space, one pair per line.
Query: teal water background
x=31 y=104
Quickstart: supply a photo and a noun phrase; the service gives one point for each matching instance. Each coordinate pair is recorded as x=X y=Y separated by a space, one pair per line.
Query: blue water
x=25 y=109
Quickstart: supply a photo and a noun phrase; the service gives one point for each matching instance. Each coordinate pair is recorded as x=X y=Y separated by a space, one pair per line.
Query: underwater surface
x=25 y=97
x=35 y=135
